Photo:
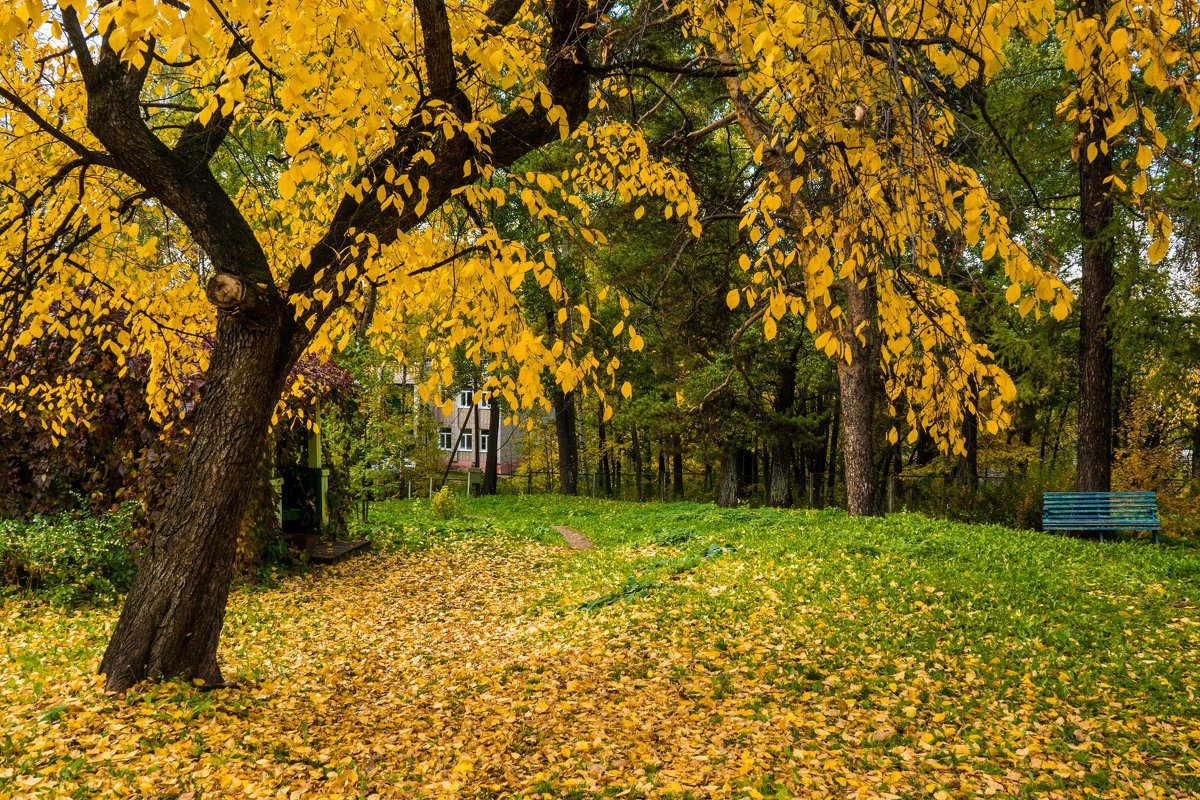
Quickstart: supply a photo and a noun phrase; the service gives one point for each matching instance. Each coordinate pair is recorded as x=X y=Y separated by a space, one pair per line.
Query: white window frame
x=445 y=438
x=485 y=438
x=466 y=398
x=485 y=401
x=466 y=442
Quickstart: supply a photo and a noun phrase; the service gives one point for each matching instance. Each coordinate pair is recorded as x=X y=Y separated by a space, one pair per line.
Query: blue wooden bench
x=1100 y=511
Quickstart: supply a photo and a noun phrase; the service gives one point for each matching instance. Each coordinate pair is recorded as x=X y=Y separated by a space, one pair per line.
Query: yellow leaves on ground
x=462 y=672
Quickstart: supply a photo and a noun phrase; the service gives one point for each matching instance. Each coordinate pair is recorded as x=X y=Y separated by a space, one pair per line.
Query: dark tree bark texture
x=782 y=450
x=172 y=618
x=1094 y=450
x=604 y=467
x=635 y=446
x=568 y=441
x=492 y=463
x=728 y=492
x=857 y=381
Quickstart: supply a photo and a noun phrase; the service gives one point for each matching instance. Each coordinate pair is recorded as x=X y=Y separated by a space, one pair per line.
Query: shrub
x=445 y=504
x=69 y=558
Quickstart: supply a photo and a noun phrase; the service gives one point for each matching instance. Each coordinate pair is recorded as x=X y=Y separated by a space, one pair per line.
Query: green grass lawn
x=696 y=653
x=996 y=634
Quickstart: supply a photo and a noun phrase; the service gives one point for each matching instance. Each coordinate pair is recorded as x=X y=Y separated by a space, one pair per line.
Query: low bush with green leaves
x=68 y=558
x=445 y=504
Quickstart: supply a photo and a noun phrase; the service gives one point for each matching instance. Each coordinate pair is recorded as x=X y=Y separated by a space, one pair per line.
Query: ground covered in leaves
x=695 y=653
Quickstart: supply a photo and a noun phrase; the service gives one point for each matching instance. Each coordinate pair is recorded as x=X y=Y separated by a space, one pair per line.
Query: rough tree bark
x=1094 y=448
x=857 y=381
x=568 y=441
x=173 y=615
x=604 y=467
x=171 y=622
x=782 y=451
x=491 y=466
x=727 y=494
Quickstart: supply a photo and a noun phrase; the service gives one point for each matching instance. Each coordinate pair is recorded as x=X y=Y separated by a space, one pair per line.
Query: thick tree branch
x=439 y=57
x=182 y=181
x=31 y=113
x=199 y=142
x=513 y=136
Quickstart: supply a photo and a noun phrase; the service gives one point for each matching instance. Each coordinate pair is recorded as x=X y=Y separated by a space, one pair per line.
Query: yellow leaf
x=732 y=299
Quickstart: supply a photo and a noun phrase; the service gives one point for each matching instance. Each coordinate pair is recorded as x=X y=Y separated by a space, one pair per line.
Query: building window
x=466 y=399
x=465 y=440
x=485 y=439
x=485 y=401
x=444 y=438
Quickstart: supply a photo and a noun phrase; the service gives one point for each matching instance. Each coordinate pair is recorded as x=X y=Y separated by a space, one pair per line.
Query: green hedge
x=68 y=558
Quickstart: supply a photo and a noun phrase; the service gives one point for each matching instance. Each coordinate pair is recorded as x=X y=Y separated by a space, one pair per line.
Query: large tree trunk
x=782 y=452
x=781 y=475
x=727 y=495
x=856 y=379
x=171 y=621
x=835 y=426
x=1094 y=453
x=568 y=441
x=492 y=463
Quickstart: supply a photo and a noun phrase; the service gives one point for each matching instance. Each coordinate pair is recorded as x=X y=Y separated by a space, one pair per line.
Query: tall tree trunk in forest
x=781 y=475
x=472 y=418
x=662 y=472
x=856 y=378
x=1094 y=449
x=568 y=441
x=636 y=447
x=727 y=494
x=835 y=426
x=782 y=452
x=173 y=615
x=604 y=466
x=491 y=466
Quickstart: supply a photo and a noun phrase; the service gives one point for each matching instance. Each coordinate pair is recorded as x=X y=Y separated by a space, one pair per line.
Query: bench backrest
x=1100 y=511
x=1115 y=505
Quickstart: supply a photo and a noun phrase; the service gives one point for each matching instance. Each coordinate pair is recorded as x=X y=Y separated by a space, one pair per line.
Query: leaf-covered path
x=574 y=539
x=470 y=670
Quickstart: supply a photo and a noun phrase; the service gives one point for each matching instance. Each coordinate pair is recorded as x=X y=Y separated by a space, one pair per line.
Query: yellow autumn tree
x=847 y=107
x=1125 y=56
x=243 y=177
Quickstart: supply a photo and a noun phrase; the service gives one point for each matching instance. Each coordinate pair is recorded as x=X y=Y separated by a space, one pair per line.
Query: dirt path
x=575 y=539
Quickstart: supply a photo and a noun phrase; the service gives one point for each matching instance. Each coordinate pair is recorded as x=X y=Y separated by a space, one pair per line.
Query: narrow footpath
x=575 y=540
